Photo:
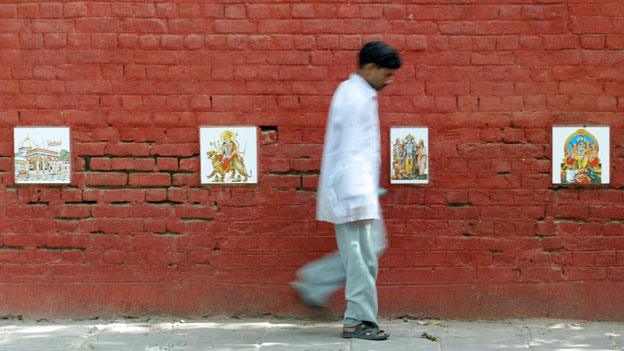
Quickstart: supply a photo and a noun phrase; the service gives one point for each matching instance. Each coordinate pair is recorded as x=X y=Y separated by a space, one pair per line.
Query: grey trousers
x=355 y=265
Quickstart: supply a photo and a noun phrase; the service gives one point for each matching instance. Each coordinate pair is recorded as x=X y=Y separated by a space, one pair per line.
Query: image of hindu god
x=409 y=158
x=227 y=159
x=581 y=164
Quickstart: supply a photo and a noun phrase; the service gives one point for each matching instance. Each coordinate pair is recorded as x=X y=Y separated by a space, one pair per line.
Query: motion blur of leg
x=360 y=244
x=318 y=280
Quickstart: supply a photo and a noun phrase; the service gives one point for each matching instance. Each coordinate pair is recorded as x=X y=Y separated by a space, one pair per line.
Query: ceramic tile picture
x=580 y=155
x=42 y=155
x=228 y=155
x=409 y=155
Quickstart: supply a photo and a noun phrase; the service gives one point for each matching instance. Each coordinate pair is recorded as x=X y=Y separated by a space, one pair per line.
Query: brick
x=157 y=211
x=144 y=164
x=172 y=41
x=150 y=179
x=144 y=10
x=194 y=41
x=100 y=164
x=195 y=212
x=104 y=41
x=149 y=41
x=176 y=103
x=303 y=11
x=139 y=25
x=112 y=211
x=256 y=11
x=492 y=59
x=51 y=10
x=201 y=103
x=533 y=12
x=8 y=41
x=132 y=102
x=593 y=42
x=112 y=72
x=580 y=88
x=40 y=117
x=585 y=9
x=484 y=43
x=54 y=40
x=98 y=25
x=128 y=149
x=448 y=88
x=167 y=164
x=591 y=24
x=29 y=10
x=280 y=11
x=121 y=195
x=190 y=26
x=106 y=179
x=8 y=11
x=9 y=118
x=282 y=181
x=121 y=163
x=74 y=9
x=88 y=87
x=235 y=11
x=615 y=41
x=78 y=41
x=194 y=10
x=531 y=42
x=508 y=42
x=128 y=41
x=155 y=195
x=234 y=26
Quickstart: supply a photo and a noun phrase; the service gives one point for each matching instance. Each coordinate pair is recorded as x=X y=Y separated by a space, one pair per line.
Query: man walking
x=348 y=196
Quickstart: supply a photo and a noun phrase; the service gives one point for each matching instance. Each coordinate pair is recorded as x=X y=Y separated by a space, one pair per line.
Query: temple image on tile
x=42 y=155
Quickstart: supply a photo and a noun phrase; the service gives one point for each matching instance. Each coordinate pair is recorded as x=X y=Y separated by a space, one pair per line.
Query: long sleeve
x=350 y=168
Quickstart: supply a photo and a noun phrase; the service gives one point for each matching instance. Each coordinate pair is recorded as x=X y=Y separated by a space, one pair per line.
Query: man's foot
x=306 y=298
x=366 y=331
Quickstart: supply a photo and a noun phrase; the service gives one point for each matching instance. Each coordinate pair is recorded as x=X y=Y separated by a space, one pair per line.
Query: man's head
x=378 y=62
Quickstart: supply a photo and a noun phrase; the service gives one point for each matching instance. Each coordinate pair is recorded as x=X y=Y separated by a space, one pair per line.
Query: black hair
x=380 y=54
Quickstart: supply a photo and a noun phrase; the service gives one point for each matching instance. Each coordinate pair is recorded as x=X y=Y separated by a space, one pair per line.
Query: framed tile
x=228 y=155
x=42 y=155
x=409 y=155
x=580 y=155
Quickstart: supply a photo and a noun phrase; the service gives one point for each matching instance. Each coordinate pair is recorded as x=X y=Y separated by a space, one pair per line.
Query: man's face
x=378 y=77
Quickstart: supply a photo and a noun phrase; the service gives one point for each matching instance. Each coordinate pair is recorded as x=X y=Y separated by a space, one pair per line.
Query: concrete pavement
x=233 y=334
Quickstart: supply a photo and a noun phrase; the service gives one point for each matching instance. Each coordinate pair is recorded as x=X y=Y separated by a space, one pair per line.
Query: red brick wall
x=135 y=233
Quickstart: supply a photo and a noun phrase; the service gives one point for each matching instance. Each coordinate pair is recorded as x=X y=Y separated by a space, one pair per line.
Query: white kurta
x=349 y=181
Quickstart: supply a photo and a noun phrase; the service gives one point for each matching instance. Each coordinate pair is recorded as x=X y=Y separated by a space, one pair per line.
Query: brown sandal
x=366 y=331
